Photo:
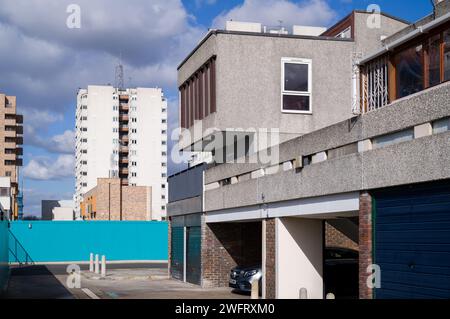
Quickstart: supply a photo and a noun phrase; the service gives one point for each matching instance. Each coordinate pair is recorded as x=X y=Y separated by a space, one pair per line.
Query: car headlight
x=250 y=273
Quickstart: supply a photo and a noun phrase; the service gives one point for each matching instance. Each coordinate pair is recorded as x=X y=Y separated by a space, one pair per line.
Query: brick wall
x=365 y=243
x=335 y=238
x=226 y=245
x=108 y=198
x=270 y=259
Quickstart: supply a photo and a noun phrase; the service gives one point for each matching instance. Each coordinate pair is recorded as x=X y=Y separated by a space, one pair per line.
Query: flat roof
x=260 y=34
x=289 y=36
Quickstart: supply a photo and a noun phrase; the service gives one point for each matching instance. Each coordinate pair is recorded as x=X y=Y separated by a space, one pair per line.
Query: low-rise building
x=5 y=197
x=378 y=161
x=58 y=210
x=111 y=200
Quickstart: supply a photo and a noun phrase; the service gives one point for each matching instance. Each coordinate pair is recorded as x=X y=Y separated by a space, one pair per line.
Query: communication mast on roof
x=119 y=75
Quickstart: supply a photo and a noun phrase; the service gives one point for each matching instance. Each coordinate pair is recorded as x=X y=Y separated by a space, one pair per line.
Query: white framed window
x=296 y=85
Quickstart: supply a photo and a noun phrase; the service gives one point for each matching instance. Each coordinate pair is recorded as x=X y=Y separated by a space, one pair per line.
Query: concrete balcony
x=363 y=148
x=123 y=160
x=19 y=140
x=124 y=149
x=124 y=128
x=123 y=97
x=124 y=106
x=19 y=119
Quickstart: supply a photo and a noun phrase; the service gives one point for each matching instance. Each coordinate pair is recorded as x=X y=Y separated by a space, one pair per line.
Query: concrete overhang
x=323 y=207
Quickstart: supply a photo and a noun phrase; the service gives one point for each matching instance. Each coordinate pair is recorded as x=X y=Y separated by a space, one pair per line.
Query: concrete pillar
x=97 y=266
x=365 y=145
x=299 y=261
x=423 y=130
x=255 y=289
x=319 y=157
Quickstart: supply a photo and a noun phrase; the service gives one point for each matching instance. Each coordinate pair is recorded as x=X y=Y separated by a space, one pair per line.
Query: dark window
x=447 y=55
x=296 y=103
x=296 y=90
x=434 y=60
x=296 y=77
x=409 y=71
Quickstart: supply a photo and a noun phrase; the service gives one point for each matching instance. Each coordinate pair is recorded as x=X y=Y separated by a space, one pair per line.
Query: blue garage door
x=177 y=254
x=412 y=241
x=193 y=255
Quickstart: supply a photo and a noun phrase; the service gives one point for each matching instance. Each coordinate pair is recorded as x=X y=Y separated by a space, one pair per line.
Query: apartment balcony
x=19 y=129
x=123 y=160
x=19 y=151
x=124 y=107
x=19 y=140
x=124 y=149
x=123 y=128
x=124 y=181
x=124 y=139
x=124 y=118
x=123 y=97
x=19 y=161
x=123 y=171
x=19 y=119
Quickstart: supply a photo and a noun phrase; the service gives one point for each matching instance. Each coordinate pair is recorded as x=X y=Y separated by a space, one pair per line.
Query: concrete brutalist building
x=363 y=111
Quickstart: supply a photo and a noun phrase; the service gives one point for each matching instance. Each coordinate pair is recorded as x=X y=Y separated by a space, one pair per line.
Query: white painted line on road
x=90 y=293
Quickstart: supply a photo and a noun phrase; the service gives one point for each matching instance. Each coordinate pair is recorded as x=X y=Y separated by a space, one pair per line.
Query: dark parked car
x=340 y=274
x=241 y=278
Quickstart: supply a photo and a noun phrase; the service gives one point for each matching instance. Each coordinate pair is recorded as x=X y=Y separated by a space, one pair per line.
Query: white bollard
x=255 y=289
x=97 y=268
x=330 y=296
x=103 y=266
x=91 y=262
x=303 y=294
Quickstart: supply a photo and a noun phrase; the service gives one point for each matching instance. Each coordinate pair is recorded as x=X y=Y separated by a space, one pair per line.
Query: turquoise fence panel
x=54 y=241
x=4 y=269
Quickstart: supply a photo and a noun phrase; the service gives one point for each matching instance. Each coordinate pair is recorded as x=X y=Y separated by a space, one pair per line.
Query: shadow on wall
x=17 y=253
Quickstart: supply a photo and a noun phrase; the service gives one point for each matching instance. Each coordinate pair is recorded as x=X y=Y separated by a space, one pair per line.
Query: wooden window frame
x=422 y=40
x=198 y=94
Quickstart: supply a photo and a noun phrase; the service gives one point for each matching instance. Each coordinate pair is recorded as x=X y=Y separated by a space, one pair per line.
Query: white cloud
x=50 y=61
x=60 y=143
x=43 y=168
x=271 y=12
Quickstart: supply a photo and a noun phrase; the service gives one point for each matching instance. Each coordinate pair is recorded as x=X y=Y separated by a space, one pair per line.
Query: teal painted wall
x=4 y=270
x=52 y=241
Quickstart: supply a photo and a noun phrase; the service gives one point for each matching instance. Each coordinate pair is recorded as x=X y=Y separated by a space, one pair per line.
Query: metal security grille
x=374 y=85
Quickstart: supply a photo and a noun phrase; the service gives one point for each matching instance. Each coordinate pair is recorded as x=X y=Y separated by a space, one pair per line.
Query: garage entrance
x=228 y=245
x=341 y=257
x=412 y=241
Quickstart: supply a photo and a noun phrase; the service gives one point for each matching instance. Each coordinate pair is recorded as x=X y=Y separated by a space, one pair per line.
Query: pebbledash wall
x=4 y=269
x=53 y=241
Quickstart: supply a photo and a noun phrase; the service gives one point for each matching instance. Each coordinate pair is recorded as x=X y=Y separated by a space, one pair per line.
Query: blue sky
x=51 y=62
